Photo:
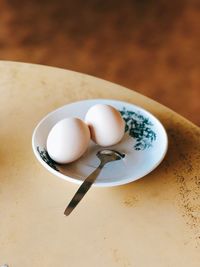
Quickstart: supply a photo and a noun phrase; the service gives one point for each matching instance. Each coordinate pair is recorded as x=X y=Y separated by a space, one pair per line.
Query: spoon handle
x=85 y=186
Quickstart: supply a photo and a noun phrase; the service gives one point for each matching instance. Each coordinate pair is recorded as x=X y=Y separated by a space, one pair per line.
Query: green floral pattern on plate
x=46 y=158
x=139 y=128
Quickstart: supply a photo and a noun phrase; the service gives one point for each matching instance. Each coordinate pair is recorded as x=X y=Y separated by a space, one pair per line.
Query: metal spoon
x=105 y=156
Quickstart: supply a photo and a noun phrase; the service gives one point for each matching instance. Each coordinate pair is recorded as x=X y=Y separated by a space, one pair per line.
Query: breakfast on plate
x=69 y=138
x=75 y=133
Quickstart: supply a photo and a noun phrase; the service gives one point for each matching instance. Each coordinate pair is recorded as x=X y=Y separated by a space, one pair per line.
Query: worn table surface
x=154 y=221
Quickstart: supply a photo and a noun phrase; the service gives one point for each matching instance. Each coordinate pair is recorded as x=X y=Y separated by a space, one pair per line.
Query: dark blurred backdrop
x=149 y=46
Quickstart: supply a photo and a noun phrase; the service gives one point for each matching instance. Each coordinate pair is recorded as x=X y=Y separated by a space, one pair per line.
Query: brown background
x=149 y=46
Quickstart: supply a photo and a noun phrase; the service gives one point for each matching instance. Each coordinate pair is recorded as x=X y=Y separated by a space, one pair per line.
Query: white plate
x=144 y=143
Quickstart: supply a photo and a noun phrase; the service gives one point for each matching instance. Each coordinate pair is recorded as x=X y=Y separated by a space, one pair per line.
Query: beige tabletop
x=152 y=222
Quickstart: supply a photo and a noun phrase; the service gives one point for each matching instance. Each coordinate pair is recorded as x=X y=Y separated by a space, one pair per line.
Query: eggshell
x=106 y=124
x=68 y=140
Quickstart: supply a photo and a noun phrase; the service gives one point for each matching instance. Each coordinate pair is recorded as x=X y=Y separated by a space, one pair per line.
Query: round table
x=152 y=222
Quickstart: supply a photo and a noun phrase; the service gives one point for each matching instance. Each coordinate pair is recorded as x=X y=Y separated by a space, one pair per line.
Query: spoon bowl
x=108 y=155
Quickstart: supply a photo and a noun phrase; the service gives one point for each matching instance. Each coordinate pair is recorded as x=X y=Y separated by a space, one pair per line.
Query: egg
x=68 y=140
x=106 y=124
